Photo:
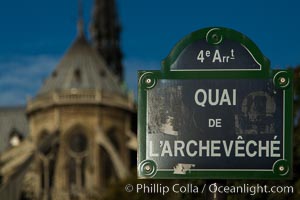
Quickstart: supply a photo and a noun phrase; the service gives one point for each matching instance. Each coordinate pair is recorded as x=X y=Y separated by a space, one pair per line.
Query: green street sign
x=215 y=111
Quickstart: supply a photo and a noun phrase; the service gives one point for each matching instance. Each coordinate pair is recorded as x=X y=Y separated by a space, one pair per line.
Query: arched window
x=78 y=142
x=46 y=161
x=77 y=145
x=107 y=170
x=108 y=173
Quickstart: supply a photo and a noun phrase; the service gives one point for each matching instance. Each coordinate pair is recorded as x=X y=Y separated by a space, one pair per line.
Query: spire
x=80 y=24
x=105 y=32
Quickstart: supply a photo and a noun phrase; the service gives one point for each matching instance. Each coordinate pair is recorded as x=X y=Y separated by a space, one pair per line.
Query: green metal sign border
x=148 y=79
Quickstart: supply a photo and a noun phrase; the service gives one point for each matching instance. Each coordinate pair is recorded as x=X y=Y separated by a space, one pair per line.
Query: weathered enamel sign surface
x=215 y=110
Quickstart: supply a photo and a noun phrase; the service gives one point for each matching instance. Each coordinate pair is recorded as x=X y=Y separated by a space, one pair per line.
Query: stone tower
x=80 y=121
x=105 y=32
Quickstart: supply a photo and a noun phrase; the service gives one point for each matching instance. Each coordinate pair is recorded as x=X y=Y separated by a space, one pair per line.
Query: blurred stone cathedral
x=76 y=136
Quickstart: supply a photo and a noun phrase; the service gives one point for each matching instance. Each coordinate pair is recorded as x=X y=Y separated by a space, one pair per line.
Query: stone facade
x=80 y=123
x=90 y=136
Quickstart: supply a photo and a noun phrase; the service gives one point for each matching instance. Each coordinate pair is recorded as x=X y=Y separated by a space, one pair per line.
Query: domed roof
x=82 y=68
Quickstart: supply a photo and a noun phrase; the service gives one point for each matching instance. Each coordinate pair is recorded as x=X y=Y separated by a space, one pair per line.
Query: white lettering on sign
x=215 y=56
x=215 y=98
x=217 y=148
x=215 y=123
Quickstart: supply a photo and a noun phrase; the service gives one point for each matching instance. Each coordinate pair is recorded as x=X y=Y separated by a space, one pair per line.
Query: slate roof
x=82 y=68
x=12 y=118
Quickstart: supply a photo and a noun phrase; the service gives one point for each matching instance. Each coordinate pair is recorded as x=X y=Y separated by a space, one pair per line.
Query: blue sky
x=34 y=34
